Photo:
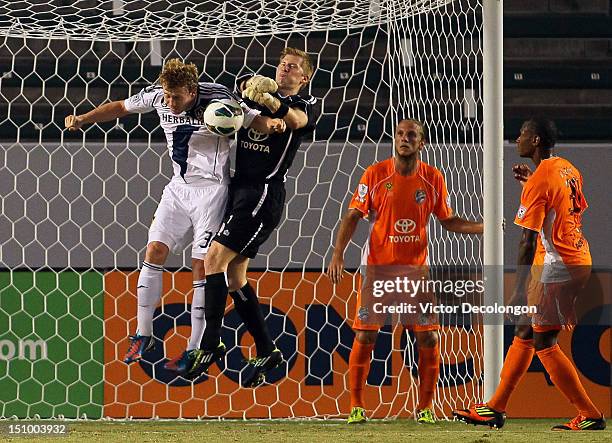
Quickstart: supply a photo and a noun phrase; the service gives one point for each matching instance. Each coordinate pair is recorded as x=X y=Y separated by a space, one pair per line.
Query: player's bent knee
x=217 y=258
x=366 y=337
x=156 y=252
x=236 y=276
x=427 y=339
x=211 y=261
x=236 y=283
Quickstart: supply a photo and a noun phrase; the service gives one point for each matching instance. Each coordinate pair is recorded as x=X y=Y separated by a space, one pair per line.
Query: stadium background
x=66 y=206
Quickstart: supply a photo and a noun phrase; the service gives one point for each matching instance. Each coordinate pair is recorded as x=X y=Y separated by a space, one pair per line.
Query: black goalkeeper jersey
x=263 y=158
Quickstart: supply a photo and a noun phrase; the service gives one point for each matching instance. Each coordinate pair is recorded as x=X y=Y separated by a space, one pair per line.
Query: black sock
x=246 y=304
x=214 y=308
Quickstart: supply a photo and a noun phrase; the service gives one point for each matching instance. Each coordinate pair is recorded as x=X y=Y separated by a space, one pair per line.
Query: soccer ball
x=223 y=117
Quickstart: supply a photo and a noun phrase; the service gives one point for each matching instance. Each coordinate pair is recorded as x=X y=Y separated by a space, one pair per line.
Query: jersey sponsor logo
x=389 y=186
x=362 y=191
x=420 y=196
x=255 y=146
x=257 y=136
x=180 y=119
x=521 y=212
x=405 y=227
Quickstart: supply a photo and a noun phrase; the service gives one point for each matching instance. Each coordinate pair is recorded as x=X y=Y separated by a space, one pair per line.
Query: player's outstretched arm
x=267 y=125
x=103 y=113
x=294 y=118
x=461 y=225
x=335 y=269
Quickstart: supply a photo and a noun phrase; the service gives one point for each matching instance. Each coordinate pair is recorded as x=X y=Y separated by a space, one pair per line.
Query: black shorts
x=253 y=212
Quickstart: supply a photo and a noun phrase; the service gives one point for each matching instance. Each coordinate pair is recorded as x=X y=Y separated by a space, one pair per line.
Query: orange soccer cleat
x=581 y=423
x=481 y=414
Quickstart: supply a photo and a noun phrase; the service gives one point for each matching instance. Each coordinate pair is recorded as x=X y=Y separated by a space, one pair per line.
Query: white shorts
x=186 y=213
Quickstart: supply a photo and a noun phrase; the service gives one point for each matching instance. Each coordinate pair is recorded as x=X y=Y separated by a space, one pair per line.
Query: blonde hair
x=307 y=65
x=177 y=74
x=419 y=123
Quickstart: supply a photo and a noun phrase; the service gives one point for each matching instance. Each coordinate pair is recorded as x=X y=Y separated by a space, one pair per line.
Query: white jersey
x=198 y=155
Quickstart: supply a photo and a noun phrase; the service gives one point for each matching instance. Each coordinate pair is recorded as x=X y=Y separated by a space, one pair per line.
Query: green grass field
x=315 y=431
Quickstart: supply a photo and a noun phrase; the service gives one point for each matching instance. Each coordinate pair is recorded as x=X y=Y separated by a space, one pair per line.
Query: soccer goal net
x=76 y=207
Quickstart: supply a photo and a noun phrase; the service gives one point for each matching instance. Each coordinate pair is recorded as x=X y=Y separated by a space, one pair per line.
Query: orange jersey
x=398 y=209
x=552 y=204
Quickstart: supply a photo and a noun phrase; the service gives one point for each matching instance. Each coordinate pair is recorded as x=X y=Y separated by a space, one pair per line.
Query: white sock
x=148 y=290
x=197 y=315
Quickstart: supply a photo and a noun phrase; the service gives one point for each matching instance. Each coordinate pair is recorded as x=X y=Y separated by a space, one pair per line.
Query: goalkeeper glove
x=261 y=84
x=264 y=99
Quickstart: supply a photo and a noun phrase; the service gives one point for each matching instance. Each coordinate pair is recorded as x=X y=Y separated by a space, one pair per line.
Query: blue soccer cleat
x=139 y=344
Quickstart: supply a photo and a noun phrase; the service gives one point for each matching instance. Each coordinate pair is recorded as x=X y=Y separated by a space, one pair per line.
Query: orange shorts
x=373 y=312
x=556 y=302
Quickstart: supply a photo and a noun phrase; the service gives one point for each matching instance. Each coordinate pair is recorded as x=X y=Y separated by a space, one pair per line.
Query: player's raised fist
x=278 y=125
x=263 y=99
x=262 y=84
x=73 y=123
x=269 y=101
x=252 y=94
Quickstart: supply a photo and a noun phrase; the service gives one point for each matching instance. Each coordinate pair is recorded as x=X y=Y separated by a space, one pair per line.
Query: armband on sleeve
x=281 y=111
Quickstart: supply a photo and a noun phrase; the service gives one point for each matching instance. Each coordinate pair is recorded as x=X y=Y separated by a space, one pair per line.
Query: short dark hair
x=419 y=123
x=545 y=129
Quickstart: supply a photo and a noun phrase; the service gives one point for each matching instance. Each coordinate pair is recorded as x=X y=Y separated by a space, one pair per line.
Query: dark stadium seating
x=557 y=62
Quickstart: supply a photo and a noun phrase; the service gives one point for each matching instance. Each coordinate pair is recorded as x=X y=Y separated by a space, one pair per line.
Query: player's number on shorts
x=208 y=236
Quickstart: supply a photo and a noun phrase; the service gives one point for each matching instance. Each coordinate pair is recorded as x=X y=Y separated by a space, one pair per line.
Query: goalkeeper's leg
x=216 y=288
x=247 y=305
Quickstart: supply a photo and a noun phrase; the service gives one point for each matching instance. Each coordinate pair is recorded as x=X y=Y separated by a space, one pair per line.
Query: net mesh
x=141 y=20
x=76 y=207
